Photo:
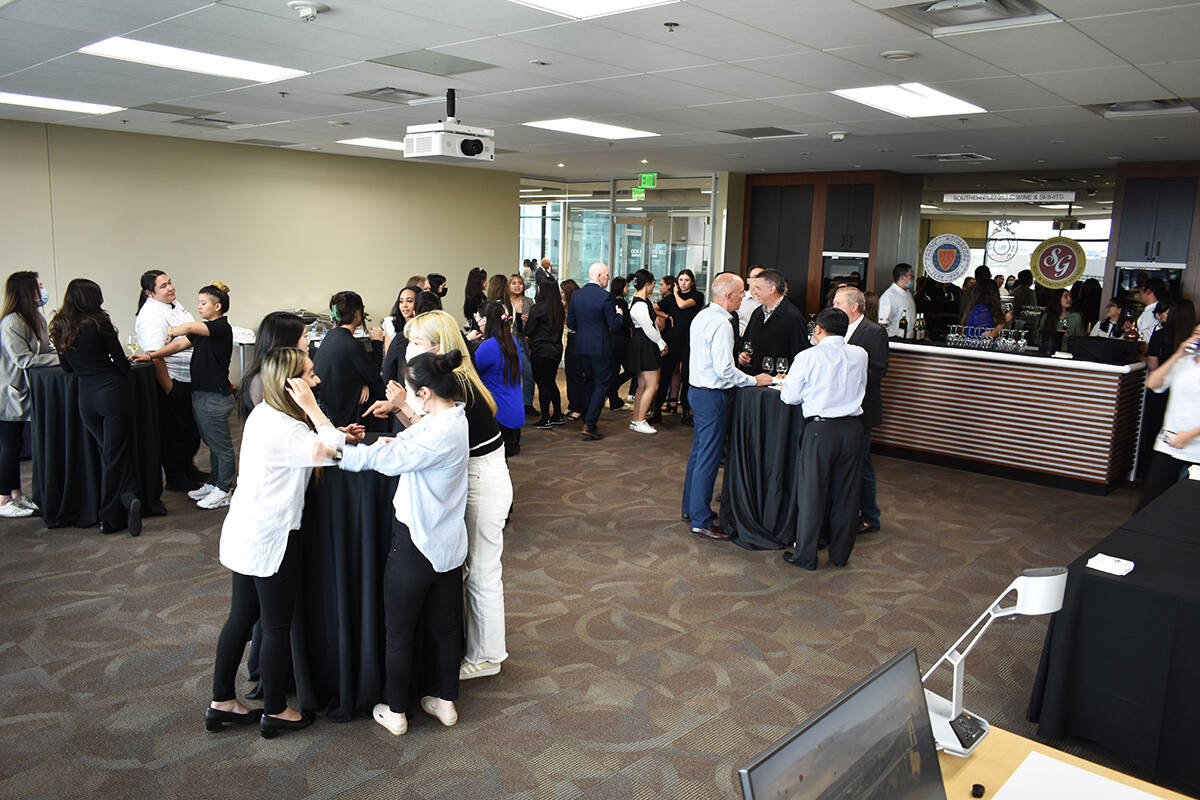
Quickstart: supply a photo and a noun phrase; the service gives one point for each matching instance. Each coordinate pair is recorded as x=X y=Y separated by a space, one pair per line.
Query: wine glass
x=768 y=365
x=781 y=366
x=131 y=344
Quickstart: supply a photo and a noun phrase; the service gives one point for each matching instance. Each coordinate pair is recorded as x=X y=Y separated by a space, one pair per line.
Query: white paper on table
x=1041 y=777
x=1110 y=564
x=1194 y=472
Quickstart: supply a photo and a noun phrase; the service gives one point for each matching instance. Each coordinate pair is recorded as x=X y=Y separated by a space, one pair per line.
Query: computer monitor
x=874 y=742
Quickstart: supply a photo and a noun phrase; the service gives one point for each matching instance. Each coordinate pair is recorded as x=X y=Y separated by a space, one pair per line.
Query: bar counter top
x=1031 y=357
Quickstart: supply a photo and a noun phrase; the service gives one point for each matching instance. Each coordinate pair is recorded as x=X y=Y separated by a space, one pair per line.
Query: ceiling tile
x=1108 y=85
x=934 y=61
x=661 y=87
x=518 y=73
x=699 y=31
x=819 y=24
x=1035 y=48
x=1059 y=115
x=972 y=122
x=823 y=105
x=1068 y=9
x=1163 y=35
x=593 y=42
x=424 y=18
x=97 y=22
x=1180 y=77
x=583 y=100
x=116 y=82
x=998 y=94
x=819 y=70
x=736 y=80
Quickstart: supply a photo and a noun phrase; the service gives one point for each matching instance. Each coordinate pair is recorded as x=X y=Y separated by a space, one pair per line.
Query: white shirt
x=430 y=457
x=710 y=363
x=1183 y=408
x=152 y=322
x=853 y=327
x=1147 y=323
x=744 y=312
x=640 y=314
x=828 y=380
x=893 y=304
x=275 y=464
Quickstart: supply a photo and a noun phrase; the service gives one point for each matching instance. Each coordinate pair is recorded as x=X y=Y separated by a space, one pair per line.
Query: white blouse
x=640 y=314
x=276 y=462
x=153 y=320
x=431 y=459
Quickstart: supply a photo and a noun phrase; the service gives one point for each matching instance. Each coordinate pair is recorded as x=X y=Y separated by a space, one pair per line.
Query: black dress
x=344 y=367
x=644 y=354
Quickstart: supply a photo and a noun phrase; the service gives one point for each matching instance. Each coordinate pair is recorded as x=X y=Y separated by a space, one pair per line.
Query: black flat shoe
x=790 y=557
x=270 y=727
x=215 y=719
x=106 y=529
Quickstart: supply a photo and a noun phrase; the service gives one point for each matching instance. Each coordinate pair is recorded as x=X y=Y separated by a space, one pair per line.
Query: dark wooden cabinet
x=780 y=230
x=1156 y=220
x=849 y=209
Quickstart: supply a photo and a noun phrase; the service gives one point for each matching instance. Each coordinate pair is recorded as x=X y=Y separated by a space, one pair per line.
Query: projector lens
x=471 y=147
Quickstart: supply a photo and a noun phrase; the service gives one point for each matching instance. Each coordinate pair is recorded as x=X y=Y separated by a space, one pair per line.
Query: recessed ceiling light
x=645 y=161
x=367 y=141
x=1104 y=202
x=928 y=206
x=1041 y=161
x=55 y=104
x=898 y=55
x=587 y=9
x=561 y=164
x=582 y=127
x=909 y=100
x=160 y=55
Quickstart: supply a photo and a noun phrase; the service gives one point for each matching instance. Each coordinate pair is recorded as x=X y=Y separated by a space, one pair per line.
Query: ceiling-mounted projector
x=1067 y=224
x=450 y=139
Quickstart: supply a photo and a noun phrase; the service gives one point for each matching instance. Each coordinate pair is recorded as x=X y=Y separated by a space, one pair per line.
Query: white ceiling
x=729 y=64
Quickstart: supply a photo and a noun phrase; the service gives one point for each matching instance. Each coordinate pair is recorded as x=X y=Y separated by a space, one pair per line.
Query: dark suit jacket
x=872 y=337
x=784 y=334
x=593 y=316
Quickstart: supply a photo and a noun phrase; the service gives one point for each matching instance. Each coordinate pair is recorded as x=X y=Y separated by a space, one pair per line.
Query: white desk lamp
x=958 y=732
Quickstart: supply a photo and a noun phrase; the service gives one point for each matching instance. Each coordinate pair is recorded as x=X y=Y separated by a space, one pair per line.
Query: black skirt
x=643 y=353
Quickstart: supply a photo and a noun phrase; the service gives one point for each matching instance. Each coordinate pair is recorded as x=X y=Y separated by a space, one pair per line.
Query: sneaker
x=14 y=510
x=542 y=425
x=558 y=420
x=215 y=499
x=24 y=502
x=629 y=398
x=203 y=492
x=642 y=427
x=483 y=669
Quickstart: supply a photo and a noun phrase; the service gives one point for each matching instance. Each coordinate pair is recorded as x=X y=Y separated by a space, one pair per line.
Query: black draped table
x=338 y=633
x=66 y=460
x=758 y=497
x=1121 y=661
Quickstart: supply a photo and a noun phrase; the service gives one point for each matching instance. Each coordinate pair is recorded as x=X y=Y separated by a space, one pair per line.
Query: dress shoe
x=215 y=719
x=107 y=529
x=134 y=523
x=382 y=714
x=865 y=528
x=446 y=716
x=592 y=433
x=685 y=517
x=713 y=532
x=270 y=727
x=790 y=557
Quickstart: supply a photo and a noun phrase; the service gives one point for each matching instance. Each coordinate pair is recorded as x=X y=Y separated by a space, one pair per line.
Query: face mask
x=416 y=404
x=412 y=351
x=44 y=297
x=812 y=339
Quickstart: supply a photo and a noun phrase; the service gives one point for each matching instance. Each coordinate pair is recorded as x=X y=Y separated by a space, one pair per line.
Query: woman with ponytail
x=422 y=581
x=349 y=374
x=499 y=363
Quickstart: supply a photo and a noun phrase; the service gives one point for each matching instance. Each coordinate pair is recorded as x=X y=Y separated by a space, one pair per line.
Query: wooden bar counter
x=1063 y=422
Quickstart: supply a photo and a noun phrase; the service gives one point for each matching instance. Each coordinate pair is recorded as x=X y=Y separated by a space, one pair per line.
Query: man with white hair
x=594 y=316
x=712 y=376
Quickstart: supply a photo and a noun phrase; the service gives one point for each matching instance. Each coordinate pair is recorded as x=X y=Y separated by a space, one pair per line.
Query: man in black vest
x=872 y=338
x=776 y=328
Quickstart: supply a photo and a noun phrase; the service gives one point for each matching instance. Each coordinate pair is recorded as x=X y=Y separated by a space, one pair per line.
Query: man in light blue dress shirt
x=828 y=381
x=712 y=377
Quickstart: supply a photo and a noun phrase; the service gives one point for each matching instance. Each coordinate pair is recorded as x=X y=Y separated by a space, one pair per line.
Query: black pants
x=677 y=356
x=620 y=372
x=414 y=596
x=545 y=375
x=597 y=371
x=1162 y=472
x=512 y=441
x=10 y=456
x=577 y=396
x=180 y=436
x=272 y=599
x=830 y=477
x=106 y=407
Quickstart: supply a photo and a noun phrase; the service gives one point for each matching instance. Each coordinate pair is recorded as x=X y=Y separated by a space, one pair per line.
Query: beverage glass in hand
x=781 y=367
x=131 y=344
x=768 y=365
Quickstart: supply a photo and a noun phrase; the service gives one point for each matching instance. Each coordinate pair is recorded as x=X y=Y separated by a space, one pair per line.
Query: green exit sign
x=647 y=180
x=639 y=193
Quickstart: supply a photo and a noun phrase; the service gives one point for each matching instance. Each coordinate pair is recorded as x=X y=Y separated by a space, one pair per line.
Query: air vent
x=1145 y=108
x=207 y=122
x=763 y=133
x=1039 y=180
x=954 y=158
x=264 y=142
x=176 y=111
x=432 y=63
x=389 y=94
x=949 y=17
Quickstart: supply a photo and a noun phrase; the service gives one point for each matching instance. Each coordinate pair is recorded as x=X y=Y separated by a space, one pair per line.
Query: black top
x=544 y=341
x=210 y=357
x=483 y=432
x=470 y=306
x=344 y=367
x=97 y=353
x=681 y=318
x=393 y=361
x=784 y=333
x=1158 y=346
x=626 y=330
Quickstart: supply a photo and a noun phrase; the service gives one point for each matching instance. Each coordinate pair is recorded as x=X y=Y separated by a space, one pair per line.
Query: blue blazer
x=593 y=316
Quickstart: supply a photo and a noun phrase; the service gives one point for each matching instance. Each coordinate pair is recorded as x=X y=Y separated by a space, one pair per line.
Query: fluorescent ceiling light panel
x=931 y=208
x=587 y=9
x=367 y=141
x=581 y=127
x=160 y=55
x=909 y=100
x=55 y=104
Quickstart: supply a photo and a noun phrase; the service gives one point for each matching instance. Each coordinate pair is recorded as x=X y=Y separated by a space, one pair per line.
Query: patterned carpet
x=644 y=663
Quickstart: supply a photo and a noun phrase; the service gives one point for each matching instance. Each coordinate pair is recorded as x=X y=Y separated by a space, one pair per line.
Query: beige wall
x=284 y=229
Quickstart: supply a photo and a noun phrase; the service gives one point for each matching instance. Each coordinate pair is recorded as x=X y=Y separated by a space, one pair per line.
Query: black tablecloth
x=758 y=497
x=66 y=461
x=338 y=633
x=1121 y=661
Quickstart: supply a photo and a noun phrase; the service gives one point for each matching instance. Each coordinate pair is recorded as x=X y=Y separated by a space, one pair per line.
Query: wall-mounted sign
x=1058 y=262
x=947 y=258
x=638 y=193
x=1008 y=197
x=648 y=180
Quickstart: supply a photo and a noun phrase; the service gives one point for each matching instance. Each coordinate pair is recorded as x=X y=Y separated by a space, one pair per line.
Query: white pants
x=489 y=496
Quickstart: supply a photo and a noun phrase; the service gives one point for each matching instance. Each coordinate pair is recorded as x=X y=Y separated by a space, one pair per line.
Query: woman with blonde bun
x=211 y=341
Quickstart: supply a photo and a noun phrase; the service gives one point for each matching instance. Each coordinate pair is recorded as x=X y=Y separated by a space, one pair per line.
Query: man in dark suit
x=594 y=316
x=873 y=338
x=776 y=328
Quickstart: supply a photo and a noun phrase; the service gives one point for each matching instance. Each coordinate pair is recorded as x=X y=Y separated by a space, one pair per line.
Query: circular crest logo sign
x=1058 y=262
x=947 y=258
